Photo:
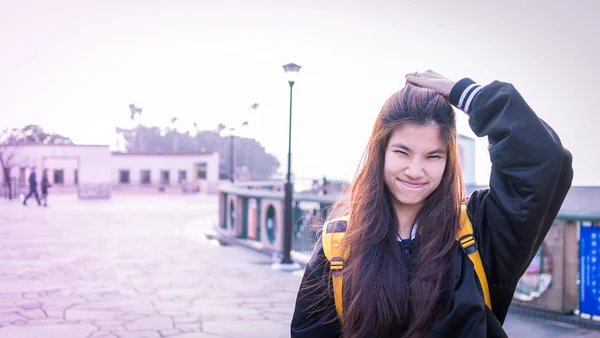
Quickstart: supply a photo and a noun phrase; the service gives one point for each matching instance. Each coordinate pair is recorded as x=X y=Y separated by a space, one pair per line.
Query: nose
x=414 y=170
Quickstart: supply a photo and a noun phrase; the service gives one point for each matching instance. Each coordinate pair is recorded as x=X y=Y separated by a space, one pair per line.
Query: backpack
x=333 y=236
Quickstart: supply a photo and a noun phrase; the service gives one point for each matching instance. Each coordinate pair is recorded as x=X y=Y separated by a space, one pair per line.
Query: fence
x=13 y=192
x=257 y=215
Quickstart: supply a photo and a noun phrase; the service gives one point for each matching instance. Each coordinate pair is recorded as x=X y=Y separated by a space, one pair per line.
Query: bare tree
x=12 y=139
x=10 y=142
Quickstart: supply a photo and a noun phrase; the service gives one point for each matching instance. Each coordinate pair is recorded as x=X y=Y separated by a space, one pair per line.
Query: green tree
x=248 y=152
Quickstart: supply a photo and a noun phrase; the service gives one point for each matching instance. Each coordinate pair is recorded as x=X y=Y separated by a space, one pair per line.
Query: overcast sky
x=73 y=66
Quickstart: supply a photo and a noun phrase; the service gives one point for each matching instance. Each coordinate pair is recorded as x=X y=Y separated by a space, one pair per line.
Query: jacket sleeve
x=530 y=177
x=314 y=314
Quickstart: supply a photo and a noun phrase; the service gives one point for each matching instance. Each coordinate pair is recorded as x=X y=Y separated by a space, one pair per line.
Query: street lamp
x=232 y=155
x=291 y=69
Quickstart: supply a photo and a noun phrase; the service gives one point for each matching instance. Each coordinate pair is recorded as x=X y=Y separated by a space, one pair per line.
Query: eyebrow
x=434 y=151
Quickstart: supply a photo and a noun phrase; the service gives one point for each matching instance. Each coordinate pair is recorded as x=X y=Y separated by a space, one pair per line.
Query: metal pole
x=232 y=164
x=289 y=188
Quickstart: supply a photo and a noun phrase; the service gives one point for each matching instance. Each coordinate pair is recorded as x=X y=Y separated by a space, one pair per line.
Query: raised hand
x=432 y=80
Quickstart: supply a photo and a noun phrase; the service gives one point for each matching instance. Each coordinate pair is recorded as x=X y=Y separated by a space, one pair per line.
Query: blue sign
x=589 y=273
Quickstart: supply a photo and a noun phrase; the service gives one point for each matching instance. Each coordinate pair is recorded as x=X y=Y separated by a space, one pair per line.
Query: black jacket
x=32 y=181
x=45 y=185
x=531 y=174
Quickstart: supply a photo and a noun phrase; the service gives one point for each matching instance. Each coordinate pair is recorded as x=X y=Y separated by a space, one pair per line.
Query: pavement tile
x=197 y=335
x=103 y=334
x=140 y=266
x=44 y=321
x=33 y=313
x=188 y=327
x=139 y=334
x=169 y=332
x=10 y=317
x=262 y=328
x=120 y=304
x=52 y=313
x=47 y=331
x=28 y=304
x=79 y=314
x=167 y=305
x=155 y=322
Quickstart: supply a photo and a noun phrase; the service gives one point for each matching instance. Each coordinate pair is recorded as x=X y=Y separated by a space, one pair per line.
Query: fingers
x=421 y=79
x=415 y=80
x=427 y=73
x=411 y=78
x=411 y=74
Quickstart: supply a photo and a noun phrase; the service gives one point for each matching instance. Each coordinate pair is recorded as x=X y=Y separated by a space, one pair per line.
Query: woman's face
x=415 y=159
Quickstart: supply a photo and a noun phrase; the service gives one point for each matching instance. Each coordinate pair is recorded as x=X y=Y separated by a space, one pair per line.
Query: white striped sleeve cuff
x=463 y=93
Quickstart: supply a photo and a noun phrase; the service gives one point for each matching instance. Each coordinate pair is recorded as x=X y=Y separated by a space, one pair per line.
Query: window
x=202 y=171
x=461 y=156
x=76 y=176
x=59 y=176
x=124 y=176
x=182 y=175
x=164 y=177
x=145 y=177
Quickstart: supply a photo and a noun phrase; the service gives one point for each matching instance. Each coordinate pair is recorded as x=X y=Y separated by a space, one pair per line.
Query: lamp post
x=291 y=69
x=232 y=158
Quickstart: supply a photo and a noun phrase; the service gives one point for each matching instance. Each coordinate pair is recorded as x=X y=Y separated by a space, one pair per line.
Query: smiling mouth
x=412 y=185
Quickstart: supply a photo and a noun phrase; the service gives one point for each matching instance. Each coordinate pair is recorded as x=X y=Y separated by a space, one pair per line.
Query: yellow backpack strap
x=333 y=236
x=469 y=245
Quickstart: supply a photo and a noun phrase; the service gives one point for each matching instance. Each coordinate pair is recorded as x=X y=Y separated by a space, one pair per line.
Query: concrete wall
x=97 y=169
x=236 y=228
x=264 y=238
x=92 y=163
x=173 y=163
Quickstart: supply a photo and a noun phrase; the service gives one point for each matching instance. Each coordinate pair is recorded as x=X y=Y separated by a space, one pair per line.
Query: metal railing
x=260 y=210
x=553 y=273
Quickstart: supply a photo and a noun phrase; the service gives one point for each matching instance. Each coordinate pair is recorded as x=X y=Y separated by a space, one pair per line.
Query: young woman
x=406 y=275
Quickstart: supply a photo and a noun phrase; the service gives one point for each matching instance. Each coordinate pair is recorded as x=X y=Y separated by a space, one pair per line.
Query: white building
x=189 y=171
x=466 y=150
x=93 y=171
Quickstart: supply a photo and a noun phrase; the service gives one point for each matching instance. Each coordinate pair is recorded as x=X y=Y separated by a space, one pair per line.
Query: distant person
x=408 y=269
x=32 y=187
x=45 y=185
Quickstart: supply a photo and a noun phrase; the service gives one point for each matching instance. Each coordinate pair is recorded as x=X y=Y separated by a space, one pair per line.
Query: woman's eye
x=435 y=157
x=400 y=152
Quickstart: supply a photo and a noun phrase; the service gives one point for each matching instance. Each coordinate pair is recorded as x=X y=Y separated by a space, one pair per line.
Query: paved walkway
x=139 y=266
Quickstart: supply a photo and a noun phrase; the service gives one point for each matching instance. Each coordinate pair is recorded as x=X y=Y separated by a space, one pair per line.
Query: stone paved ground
x=139 y=266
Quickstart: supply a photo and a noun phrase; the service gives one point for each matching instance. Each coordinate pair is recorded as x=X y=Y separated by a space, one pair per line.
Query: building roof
x=63 y=145
x=581 y=203
x=149 y=153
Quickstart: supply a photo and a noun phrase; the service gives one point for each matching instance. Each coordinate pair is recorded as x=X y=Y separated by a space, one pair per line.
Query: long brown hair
x=381 y=298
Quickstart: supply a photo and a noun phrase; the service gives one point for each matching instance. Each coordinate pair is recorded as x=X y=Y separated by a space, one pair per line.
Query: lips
x=411 y=184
